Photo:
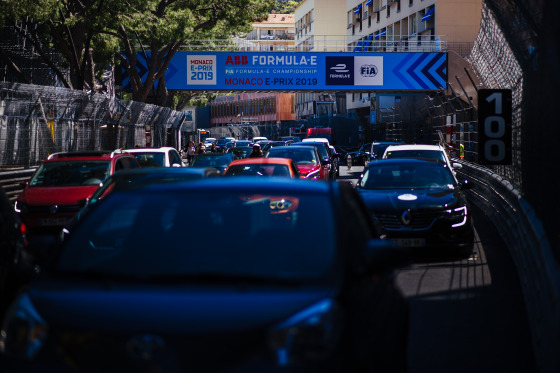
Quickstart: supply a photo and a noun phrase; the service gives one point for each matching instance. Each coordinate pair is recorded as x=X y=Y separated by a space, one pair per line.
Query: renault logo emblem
x=145 y=347
x=406 y=217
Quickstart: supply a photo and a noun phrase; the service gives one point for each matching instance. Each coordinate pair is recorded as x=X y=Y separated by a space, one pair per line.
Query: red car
x=62 y=184
x=306 y=158
x=262 y=166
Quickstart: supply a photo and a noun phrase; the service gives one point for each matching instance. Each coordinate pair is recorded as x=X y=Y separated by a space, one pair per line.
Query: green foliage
x=286 y=6
x=115 y=30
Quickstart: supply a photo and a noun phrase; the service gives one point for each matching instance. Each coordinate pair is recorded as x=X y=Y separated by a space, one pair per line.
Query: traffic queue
x=158 y=260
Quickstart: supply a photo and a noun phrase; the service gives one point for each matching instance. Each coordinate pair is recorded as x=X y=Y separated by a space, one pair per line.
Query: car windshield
x=150 y=159
x=70 y=173
x=212 y=161
x=422 y=154
x=262 y=170
x=321 y=149
x=141 y=234
x=298 y=156
x=406 y=176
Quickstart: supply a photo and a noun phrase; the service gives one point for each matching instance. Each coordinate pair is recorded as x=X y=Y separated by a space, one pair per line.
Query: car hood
x=56 y=195
x=305 y=169
x=433 y=199
x=178 y=309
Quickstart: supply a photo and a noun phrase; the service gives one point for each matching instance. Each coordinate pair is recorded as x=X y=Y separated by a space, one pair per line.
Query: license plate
x=410 y=242
x=53 y=221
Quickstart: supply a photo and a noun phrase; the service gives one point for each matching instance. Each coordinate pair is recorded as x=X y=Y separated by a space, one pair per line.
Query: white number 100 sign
x=495 y=129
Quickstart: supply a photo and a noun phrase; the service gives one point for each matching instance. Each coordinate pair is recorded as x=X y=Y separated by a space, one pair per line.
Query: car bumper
x=458 y=239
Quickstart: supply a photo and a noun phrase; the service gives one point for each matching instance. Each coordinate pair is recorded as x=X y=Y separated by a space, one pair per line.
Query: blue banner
x=302 y=71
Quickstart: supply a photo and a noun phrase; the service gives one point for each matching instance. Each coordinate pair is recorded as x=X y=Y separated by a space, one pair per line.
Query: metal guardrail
x=538 y=269
x=11 y=180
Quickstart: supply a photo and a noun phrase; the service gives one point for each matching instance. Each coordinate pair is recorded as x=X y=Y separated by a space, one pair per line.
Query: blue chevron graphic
x=441 y=77
x=442 y=72
x=141 y=66
x=428 y=71
x=399 y=75
x=142 y=63
x=413 y=71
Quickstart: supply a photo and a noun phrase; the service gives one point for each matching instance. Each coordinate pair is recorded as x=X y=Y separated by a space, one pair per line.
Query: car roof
x=307 y=144
x=291 y=146
x=86 y=155
x=160 y=170
x=153 y=150
x=408 y=147
x=249 y=184
x=261 y=160
x=406 y=161
x=209 y=154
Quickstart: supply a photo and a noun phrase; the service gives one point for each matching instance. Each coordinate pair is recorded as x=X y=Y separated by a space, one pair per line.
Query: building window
x=388 y=11
x=410 y=2
x=413 y=24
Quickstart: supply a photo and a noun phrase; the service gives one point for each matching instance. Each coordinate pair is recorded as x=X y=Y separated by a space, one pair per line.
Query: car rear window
x=71 y=173
x=143 y=232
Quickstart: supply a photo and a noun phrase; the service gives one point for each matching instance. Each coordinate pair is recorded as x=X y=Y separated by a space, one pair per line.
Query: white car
x=421 y=151
x=208 y=142
x=157 y=157
x=259 y=138
x=320 y=140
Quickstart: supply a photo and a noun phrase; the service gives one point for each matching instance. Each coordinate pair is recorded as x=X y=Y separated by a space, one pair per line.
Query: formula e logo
x=339 y=70
x=368 y=70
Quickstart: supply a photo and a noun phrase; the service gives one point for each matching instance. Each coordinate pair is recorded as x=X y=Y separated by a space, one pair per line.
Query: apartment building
x=275 y=34
x=410 y=26
x=320 y=26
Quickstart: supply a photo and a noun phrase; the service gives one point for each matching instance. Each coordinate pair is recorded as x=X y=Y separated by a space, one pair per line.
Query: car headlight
x=309 y=336
x=458 y=216
x=21 y=207
x=24 y=331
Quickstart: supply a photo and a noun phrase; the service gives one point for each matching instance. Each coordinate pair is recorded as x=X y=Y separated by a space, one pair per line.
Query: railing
x=538 y=270
x=11 y=180
x=343 y=43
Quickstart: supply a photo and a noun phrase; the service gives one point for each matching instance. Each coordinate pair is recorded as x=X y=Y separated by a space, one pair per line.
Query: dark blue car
x=419 y=204
x=296 y=279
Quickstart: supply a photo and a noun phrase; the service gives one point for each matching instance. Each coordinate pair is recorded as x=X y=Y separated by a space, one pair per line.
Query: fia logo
x=368 y=70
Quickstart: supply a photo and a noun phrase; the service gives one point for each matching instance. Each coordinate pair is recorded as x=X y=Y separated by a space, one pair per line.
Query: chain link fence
x=36 y=121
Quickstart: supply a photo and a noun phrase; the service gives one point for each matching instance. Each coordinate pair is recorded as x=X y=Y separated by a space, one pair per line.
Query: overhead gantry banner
x=304 y=71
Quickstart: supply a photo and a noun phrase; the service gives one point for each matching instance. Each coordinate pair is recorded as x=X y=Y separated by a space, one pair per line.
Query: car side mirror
x=457 y=166
x=325 y=161
x=24 y=184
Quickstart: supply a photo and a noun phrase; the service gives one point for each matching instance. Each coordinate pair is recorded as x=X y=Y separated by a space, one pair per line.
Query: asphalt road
x=467 y=315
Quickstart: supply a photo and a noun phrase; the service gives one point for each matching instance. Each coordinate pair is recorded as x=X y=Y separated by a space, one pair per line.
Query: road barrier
x=11 y=180
x=538 y=269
